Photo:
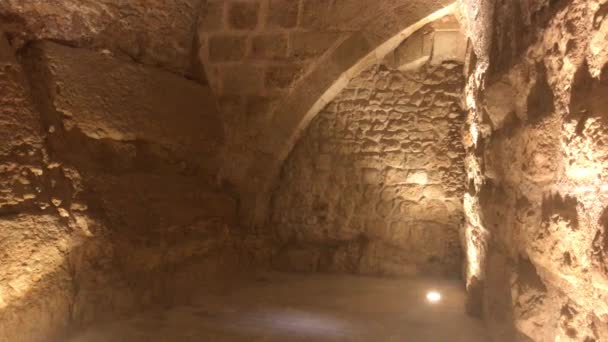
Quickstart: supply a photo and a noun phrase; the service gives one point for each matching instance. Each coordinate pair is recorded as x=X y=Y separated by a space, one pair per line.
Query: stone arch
x=323 y=81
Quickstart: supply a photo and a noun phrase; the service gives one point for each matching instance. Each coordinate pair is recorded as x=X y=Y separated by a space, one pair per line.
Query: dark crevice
x=563 y=207
x=541 y=98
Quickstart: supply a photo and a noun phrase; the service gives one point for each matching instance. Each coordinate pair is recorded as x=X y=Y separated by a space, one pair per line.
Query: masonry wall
x=375 y=184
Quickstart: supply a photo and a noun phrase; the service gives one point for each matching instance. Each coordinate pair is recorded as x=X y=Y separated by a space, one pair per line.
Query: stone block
x=243 y=15
x=227 y=48
x=282 y=14
x=434 y=191
x=213 y=15
x=311 y=44
x=315 y=14
x=107 y=98
x=269 y=46
x=449 y=46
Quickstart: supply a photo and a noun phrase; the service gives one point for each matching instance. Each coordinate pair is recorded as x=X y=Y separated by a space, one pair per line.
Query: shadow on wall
x=555 y=207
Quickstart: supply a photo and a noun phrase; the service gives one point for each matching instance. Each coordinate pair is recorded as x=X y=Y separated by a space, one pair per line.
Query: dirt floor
x=293 y=307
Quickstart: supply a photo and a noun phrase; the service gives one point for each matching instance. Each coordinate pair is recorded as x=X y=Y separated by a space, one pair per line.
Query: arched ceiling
x=289 y=69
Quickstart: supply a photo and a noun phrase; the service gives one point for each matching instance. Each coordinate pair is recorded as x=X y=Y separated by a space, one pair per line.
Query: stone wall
x=269 y=61
x=108 y=201
x=375 y=184
x=33 y=257
x=537 y=168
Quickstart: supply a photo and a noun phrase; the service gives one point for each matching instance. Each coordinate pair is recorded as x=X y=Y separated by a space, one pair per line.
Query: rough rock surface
x=153 y=32
x=113 y=147
x=127 y=103
x=537 y=163
x=375 y=184
x=109 y=202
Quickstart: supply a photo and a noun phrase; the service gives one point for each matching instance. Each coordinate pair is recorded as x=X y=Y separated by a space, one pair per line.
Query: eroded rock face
x=538 y=165
x=109 y=202
x=375 y=185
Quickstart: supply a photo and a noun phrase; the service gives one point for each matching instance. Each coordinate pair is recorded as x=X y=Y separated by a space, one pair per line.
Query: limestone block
x=243 y=15
x=106 y=98
x=417 y=177
x=434 y=191
x=282 y=14
x=213 y=15
x=449 y=46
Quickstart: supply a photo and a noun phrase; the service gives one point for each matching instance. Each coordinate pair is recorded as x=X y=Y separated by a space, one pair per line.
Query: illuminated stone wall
x=375 y=184
x=537 y=158
x=107 y=203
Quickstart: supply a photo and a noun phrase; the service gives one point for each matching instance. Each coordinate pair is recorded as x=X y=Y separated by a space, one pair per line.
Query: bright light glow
x=433 y=296
x=579 y=172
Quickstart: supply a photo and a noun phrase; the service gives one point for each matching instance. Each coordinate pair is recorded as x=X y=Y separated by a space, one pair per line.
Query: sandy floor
x=287 y=307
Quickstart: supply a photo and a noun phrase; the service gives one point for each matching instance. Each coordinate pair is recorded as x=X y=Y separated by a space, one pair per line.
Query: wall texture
x=108 y=199
x=151 y=32
x=536 y=163
x=270 y=61
x=375 y=184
